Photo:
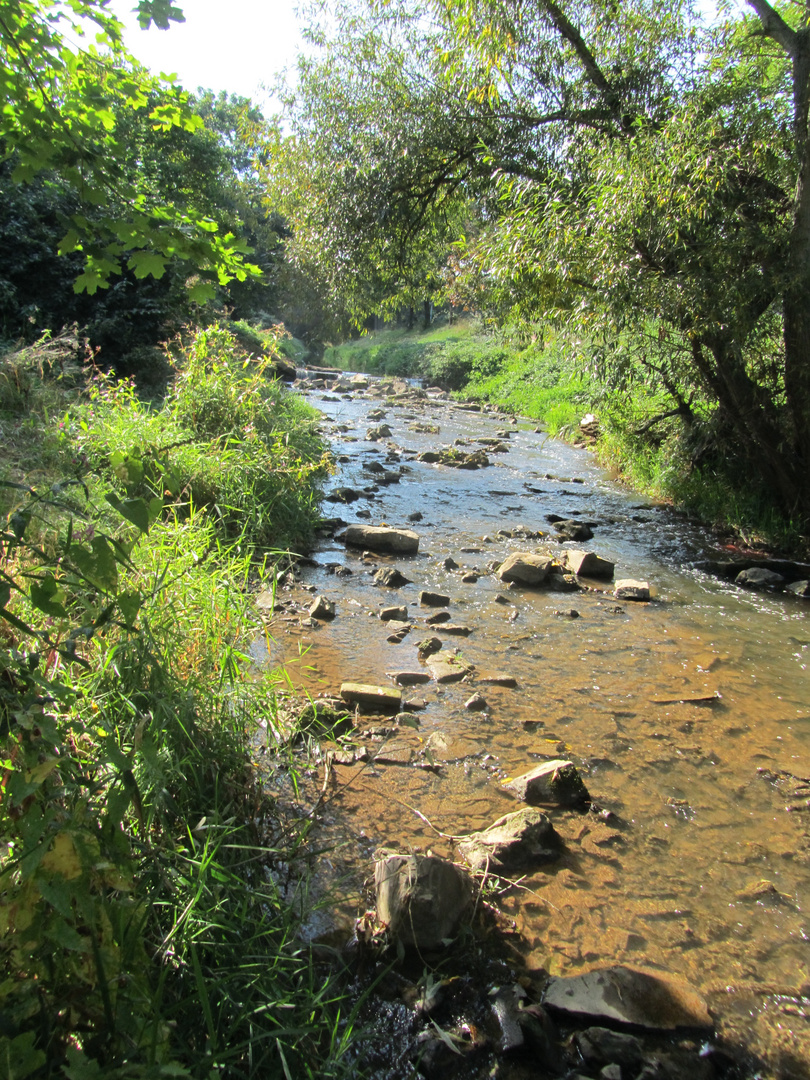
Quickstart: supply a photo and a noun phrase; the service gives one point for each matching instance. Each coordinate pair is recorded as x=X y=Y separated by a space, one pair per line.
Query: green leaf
x=19 y=522
x=47 y=597
x=134 y=510
x=79 y=1066
x=19 y=1058
x=201 y=292
x=98 y=565
x=129 y=604
x=144 y=263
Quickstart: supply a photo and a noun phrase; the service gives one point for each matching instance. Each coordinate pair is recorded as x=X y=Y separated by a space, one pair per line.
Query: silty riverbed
x=688 y=716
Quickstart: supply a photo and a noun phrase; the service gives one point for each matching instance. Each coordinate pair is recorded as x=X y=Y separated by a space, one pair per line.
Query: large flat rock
x=626 y=995
x=446 y=667
x=367 y=696
x=382 y=538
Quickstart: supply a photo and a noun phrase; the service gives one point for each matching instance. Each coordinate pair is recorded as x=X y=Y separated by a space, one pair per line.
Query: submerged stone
x=626 y=995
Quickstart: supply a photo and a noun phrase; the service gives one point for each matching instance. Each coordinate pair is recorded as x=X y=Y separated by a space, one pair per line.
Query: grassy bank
x=143 y=932
x=538 y=380
x=545 y=377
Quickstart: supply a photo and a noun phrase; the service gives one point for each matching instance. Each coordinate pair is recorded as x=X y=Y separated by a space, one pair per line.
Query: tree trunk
x=796 y=313
x=751 y=414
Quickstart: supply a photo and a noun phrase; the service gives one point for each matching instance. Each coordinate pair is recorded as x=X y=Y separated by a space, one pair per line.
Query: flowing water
x=707 y=874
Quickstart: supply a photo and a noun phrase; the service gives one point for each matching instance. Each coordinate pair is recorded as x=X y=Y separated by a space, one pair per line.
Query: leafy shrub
x=142 y=929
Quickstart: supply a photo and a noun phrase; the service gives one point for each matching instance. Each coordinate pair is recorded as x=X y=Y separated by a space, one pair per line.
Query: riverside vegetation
x=555 y=378
x=146 y=926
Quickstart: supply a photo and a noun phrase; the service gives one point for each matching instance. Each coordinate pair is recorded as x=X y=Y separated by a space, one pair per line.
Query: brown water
x=708 y=872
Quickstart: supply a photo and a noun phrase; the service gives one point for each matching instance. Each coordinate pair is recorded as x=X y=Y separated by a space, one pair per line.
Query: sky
x=236 y=46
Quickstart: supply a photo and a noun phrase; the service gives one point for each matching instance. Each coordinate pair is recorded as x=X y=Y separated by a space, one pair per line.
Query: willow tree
x=627 y=168
x=674 y=204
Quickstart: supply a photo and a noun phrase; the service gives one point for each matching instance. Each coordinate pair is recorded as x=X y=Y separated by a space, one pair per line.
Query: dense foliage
x=144 y=924
x=623 y=170
x=67 y=114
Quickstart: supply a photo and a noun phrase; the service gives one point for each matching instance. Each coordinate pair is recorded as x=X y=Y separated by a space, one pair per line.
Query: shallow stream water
x=708 y=874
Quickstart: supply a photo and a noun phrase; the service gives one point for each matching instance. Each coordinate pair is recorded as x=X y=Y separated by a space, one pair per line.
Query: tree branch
x=775 y=26
x=572 y=35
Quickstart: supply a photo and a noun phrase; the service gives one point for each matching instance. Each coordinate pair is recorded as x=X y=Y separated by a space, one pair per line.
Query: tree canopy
x=67 y=113
x=624 y=168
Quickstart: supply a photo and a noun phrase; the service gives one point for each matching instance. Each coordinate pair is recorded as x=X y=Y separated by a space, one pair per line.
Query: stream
x=687 y=716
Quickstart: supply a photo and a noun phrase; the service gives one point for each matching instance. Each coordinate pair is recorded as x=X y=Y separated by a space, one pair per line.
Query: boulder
x=447 y=667
x=514 y=842
x=799 y=588
x=629 y=996
x=282 y=368
x=428 y=646
x=390 y=577
x=630 y=589
x=381 y=698
x=507 y=1006
x=525 y=568
x=408 y=678
x=500 y=680
x=322 y=608
x=439 y=618
x=382 y=431
x=600 y=1046
x=587 y=563
x=359 y=382
x=382 y=538
x=557 y=782
x=422 y=899
x=344 y=495
x=476 y=703
x=758 y=577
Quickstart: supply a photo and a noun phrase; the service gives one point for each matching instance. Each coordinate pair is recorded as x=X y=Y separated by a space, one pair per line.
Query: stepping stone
x=367 y=696
x=445 y=667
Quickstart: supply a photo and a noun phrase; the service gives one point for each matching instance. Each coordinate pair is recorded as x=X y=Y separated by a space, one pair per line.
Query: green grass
x=145 y=928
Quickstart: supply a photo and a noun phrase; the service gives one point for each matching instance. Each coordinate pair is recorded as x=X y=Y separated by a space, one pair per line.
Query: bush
x=142 y=929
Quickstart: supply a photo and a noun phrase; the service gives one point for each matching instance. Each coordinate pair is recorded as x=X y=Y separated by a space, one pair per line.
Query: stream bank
x=686 y=714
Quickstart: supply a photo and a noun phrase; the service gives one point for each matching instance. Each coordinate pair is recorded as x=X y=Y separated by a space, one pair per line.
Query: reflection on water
x=707 y=874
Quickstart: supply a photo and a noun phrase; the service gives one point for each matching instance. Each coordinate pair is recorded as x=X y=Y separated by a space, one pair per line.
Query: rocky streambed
x=495 y=633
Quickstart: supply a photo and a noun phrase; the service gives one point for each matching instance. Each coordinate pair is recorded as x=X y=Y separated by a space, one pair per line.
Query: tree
x=371 y=175
x=666 y=205
x=634 y=172
x=62 y=117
